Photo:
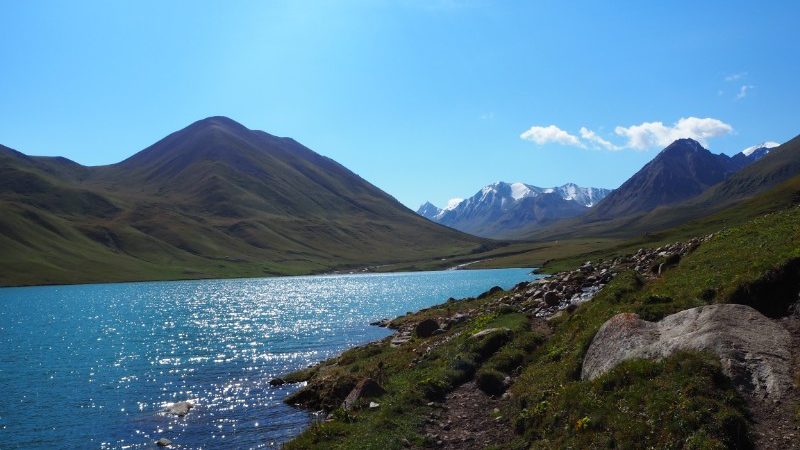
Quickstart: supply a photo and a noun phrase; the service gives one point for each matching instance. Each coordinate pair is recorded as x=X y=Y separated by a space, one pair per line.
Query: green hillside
x=212 y=200
x=684 y=401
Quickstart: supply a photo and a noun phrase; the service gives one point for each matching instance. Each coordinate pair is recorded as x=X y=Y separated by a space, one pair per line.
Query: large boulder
x=366 y=388
x=490 y=292
x=426 y=328
x=551 y=298
x=754 y=350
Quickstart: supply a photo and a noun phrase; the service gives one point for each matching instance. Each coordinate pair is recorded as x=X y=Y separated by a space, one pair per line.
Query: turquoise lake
x=92 y=366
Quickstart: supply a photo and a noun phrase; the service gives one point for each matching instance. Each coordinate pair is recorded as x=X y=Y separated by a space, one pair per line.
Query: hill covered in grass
x=212 y=200
x=519 y=363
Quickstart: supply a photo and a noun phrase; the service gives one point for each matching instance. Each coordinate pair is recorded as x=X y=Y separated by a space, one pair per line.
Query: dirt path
x=776 y=426
x=467 y=421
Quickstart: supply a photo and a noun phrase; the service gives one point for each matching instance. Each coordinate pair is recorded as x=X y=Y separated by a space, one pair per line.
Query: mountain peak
x=502 y=208
x=217 y=120
x=762 y=146
x=682 y=170
x=429 y=211
x=684 y=145
x=216 y=123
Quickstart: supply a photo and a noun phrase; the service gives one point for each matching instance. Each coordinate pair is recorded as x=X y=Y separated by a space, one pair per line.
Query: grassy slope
x=684 y=401
x=212 y=200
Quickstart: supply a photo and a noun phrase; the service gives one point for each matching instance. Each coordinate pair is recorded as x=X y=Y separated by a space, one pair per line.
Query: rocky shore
x=456 y=366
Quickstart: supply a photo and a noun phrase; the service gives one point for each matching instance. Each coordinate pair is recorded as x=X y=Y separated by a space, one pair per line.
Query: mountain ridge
x=212 y=199
x=501 y=208
x=680 y=171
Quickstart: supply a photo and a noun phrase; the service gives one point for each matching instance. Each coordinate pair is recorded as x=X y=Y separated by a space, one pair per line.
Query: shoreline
x=313 y=274
x=462 y=350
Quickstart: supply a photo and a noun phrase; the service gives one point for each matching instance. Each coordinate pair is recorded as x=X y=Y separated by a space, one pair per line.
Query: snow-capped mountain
x=500 y=209
x=753 y=154
x=682 y=170
x=757 y=152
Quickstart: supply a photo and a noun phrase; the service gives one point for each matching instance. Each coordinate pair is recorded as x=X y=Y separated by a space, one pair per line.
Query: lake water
x=92 y=366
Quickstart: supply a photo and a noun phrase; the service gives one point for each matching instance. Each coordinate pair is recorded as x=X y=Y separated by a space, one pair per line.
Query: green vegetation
x=682 y=402
x=212 y=200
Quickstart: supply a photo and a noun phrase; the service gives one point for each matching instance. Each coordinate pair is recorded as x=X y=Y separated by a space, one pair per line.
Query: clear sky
x=426 y=99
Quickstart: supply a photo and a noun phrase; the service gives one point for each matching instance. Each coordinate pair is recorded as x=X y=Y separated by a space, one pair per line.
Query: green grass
x=682 y=402
x=213 y=200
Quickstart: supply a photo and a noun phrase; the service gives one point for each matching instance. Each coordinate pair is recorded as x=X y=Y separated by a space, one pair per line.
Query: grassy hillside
x=212 y=200
x=682 y=402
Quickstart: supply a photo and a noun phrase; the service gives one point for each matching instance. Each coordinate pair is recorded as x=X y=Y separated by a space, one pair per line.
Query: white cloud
x=550 y=134
x=644 y=136
x=736 y=76
x=743 y=91
x=591 y=136
x=655 y=134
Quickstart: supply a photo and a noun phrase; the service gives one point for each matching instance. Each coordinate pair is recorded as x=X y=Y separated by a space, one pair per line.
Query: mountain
x=681 y=171
x=754 y=153
x=776 y=165
x=213 y=199
x=499 y=210
x=430 y=211
x=768 y=184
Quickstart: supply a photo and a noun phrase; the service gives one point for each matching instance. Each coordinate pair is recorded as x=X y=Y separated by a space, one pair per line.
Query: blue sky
x=426 y=99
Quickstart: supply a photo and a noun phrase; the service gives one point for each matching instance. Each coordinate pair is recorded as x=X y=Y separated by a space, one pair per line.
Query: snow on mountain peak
x=768 y=144
x=519 y=190
x=453 y=203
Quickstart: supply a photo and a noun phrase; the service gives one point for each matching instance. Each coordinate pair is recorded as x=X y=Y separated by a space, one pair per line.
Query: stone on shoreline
x=426 y=328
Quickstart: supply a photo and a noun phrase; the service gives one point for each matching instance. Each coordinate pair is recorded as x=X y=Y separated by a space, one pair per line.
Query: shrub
x=490 y=381
x=507 y=360
x=463 y=368
x=485 y=346
x=434 y=389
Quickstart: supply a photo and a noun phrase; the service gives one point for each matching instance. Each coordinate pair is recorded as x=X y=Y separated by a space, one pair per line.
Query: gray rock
x=754 y=350
x=179 y=409
x=426 y=328
x=551 y=298
x=383 y=323
x=366 y=388
x=483 y=333
x=163 y=442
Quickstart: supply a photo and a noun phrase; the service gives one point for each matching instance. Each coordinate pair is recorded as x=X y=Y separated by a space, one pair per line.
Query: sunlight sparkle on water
x=111 y=357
